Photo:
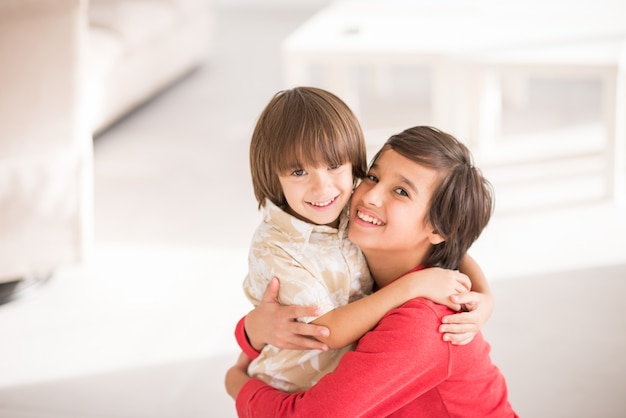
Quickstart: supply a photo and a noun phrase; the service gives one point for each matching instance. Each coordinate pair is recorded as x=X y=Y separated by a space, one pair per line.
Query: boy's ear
x=434 y=238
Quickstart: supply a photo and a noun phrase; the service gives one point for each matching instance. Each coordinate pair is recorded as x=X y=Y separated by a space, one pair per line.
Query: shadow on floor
x=186 y=389
x=559 y=339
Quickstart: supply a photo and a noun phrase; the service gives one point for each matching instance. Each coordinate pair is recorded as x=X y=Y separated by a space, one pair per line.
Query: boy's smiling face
x=388 y=211
x=318 y=194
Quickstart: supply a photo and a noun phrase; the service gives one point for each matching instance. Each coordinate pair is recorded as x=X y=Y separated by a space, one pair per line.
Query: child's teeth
x=369 y=219
x=328 y=202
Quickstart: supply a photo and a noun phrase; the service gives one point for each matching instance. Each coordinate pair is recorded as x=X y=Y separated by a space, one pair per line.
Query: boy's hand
x=461 y=328
x=275 y=324
x=438 y=284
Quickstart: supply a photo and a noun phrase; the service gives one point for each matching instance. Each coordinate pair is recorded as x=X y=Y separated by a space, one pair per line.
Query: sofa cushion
x=137 y=47
x=136 y=21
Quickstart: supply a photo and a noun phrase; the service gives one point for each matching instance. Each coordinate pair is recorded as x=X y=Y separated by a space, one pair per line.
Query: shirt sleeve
x=401 y=359
x=243 y=341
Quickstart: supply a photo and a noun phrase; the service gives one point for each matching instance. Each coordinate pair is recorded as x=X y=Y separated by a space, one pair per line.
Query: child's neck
x=386 y=268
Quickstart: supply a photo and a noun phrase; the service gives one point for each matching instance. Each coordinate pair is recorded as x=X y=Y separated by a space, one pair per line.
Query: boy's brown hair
x=303 y=126
x=463 y=201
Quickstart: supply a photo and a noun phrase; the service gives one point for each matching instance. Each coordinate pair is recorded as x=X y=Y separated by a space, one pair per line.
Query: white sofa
x=137 y=47
x=69 y=69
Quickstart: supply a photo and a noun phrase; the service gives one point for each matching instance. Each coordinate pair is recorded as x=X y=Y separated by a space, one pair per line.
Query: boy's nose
x=373 y=196
x=321 y=180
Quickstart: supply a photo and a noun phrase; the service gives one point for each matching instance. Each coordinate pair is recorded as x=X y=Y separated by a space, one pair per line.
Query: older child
x=422 y=204
x=307 y=151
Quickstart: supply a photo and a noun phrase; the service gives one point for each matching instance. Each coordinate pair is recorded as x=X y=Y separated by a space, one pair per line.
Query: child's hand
x=461 y=328
x=275 y=324
x=439 y=284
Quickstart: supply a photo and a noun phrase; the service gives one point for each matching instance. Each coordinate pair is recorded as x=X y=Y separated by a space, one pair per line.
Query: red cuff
x=242 y=340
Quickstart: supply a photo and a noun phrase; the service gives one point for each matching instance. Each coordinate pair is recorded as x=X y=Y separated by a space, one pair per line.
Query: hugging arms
x=276 y=324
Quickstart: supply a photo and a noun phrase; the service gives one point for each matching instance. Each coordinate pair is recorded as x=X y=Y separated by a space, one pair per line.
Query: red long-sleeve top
x=402 y=368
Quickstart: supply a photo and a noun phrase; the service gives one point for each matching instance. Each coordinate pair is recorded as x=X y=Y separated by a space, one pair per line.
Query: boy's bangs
x=314 y=151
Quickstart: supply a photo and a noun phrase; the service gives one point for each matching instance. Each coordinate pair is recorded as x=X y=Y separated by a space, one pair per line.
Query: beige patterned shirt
x=317 y=266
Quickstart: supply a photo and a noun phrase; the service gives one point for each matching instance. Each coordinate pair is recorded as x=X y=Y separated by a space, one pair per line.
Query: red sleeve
x=392 y=365
x=242 y=340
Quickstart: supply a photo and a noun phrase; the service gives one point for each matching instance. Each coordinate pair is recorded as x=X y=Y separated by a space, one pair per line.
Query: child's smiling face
x=318 y=194
x=389 y=209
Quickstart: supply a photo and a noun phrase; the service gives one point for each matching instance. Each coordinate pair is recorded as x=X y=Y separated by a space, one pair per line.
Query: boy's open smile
x=324 y=203
x=370 y=219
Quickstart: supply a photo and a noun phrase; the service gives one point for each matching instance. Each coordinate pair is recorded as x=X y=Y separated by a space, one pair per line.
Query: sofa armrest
x=45 y=146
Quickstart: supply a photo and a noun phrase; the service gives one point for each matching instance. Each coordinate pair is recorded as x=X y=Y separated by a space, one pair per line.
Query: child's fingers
x=460 y=289
x=457 y=328
x=271 y=292
x=304 y=343
x=461 y=318
x=296 y=311
x=309 y=330
x=466 y=298
x=465 y=282
x=302 y=336
x=459 y=339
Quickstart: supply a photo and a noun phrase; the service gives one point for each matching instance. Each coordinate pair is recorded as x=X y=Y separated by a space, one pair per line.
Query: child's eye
x=372 y=178
x=401 y=191
x=298 y=173
x=334 y=166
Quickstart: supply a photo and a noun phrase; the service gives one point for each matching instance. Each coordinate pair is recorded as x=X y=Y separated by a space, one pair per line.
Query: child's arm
x=237 y=376
x=350 y=322
x=461 y=328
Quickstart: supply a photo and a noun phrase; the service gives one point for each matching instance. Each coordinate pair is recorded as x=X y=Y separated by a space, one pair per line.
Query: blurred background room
x=126 y=206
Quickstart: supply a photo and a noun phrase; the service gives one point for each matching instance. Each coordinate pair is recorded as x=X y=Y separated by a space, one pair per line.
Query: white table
x=602 y=58
x=466 y=47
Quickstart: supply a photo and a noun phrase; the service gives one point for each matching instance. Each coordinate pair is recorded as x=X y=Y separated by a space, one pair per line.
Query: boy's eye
x=401 y=191
x=372 y=178
x=298 y=173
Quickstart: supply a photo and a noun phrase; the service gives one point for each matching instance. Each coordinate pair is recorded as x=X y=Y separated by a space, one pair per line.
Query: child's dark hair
x=303 y=126
x=463 y=201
